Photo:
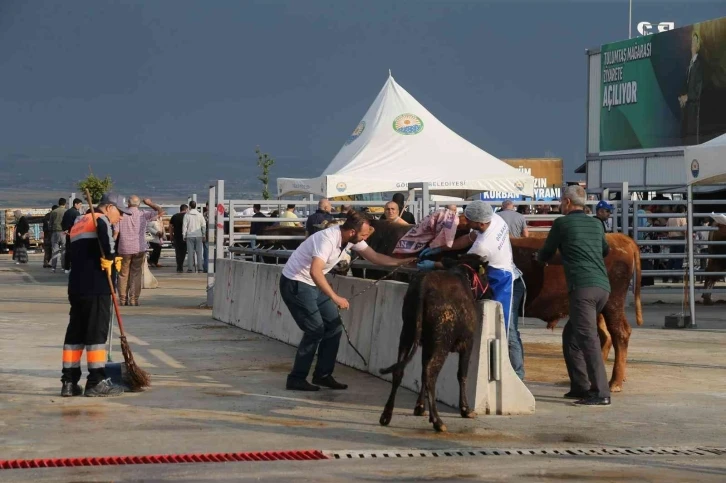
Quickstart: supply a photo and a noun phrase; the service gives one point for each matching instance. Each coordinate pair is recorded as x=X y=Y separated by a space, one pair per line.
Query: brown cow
x=714 y=264
x=441 y=314
x=548 y=300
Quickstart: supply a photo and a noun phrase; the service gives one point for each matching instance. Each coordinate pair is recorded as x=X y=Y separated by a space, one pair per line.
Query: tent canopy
x=398 y=141
x=706 y=163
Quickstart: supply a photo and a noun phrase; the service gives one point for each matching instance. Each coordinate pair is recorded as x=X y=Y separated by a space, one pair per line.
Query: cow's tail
x=638 y=306
x=416 y=338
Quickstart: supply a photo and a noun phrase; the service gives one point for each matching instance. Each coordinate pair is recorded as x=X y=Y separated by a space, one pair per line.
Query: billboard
x=664 y=89
x=547 y=174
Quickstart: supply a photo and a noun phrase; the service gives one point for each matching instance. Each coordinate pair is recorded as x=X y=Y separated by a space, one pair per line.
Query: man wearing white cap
x=489 y=238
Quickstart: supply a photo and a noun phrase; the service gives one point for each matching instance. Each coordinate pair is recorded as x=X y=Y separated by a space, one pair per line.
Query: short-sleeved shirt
x=316 y=218
x=493 y=245
x=132 y=231
x=326 y=245
x=288 y=214
x=516 y=222
x=177 y=222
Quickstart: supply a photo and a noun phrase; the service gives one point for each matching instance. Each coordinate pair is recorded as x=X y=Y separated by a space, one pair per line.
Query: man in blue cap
x=603 y=210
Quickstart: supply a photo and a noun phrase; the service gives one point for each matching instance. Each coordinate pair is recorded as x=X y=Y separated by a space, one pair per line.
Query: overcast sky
x=218 y=76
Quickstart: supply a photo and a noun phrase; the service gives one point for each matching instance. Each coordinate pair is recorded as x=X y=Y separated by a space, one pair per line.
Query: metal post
x=691 y=268
x=219 y=228
x=630 y=20
x=211 y=240
x=194 y=197
x=425 y=200
x=625 y=206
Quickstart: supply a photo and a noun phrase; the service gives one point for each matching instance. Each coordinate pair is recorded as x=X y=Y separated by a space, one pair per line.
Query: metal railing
x=658 y=248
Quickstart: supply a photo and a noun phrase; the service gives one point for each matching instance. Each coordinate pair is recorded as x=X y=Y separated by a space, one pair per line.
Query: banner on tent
x=664 y=89
x=547 y=173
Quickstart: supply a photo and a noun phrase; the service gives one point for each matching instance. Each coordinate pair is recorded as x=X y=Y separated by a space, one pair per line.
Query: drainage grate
x=459 y=452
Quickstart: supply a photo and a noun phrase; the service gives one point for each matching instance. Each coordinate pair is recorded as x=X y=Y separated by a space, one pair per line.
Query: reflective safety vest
x=84 y=227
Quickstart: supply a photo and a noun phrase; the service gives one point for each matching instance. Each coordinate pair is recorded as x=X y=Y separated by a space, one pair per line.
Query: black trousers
x=67 y=258
x=180 y=249
x=155 y=253
x=581 y=344
x=90 y=318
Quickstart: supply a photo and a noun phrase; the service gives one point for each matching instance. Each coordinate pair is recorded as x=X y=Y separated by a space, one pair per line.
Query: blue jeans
x=318 y=318
x=516 y=349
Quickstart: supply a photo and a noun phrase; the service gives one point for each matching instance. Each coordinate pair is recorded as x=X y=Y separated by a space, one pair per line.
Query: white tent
x=706 y=163
x=398 y=141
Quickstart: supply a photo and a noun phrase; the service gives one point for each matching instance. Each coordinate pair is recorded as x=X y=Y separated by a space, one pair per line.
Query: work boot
x=328 y=381
x=104 y=388
x=300 y=385
x=71 y=389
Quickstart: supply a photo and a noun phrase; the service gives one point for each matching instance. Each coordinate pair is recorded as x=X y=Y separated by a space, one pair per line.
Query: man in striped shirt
x=581 y=242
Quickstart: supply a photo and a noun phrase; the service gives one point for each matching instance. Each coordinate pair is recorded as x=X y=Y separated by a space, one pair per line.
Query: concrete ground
x=217 y=388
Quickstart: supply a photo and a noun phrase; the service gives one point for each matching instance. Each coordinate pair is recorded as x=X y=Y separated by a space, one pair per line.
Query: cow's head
x=474 y=269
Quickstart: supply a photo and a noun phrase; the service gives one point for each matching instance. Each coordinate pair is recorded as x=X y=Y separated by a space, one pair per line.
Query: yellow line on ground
x=166 y=359
x=132 y=339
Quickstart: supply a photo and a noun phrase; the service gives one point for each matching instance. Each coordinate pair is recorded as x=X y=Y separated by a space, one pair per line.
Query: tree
x=96 y=186
x=265 y=162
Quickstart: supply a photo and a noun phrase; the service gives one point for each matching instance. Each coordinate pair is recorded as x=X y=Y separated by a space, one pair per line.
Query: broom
x=138 y=378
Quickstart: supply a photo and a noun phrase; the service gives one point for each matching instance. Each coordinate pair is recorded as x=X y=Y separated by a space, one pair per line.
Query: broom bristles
x=138 y=378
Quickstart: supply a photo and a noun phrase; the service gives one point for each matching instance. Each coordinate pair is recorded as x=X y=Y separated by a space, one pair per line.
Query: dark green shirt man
x=581 y=241
x=582 y=245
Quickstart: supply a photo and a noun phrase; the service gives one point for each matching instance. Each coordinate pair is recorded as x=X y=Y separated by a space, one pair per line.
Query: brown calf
x=441 y=314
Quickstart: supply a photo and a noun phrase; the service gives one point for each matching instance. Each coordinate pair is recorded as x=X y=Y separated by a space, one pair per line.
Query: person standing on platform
x=581 y=241
x=193 y=233
x=176 y=233
x=90 y=297
x=69 y=218
x=58 y=237
x=132 y=248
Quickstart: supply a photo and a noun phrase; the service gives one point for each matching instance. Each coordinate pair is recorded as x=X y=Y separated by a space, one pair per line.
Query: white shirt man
x=313 y=303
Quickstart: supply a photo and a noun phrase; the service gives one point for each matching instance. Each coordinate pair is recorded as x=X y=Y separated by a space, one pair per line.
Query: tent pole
x=691 y=267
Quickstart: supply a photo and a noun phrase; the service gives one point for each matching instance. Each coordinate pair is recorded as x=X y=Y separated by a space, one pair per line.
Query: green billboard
x=666 y=89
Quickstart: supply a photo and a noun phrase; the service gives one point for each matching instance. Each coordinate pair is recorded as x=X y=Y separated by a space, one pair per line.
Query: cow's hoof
x=467 y=413
x=616 y=387
x=440 y=427
x=420 y=411
x=385 y=419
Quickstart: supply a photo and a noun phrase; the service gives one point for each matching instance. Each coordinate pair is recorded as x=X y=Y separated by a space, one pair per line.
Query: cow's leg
x=606 y=342
x=464 y=356
x=708 y=284
x=620 y=331
x=397 y=377
x=420 y=408
x=432 y=367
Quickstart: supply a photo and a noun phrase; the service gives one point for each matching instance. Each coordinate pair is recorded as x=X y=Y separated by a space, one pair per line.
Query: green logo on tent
x=408 y=124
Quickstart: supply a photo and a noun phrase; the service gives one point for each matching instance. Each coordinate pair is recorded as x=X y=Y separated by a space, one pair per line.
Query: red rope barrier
x=306 y=455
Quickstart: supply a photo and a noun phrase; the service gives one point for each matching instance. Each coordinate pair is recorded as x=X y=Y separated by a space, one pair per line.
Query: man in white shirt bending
x=314 y=304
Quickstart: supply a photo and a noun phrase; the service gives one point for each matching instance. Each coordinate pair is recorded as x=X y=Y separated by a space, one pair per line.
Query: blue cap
x=604 y=204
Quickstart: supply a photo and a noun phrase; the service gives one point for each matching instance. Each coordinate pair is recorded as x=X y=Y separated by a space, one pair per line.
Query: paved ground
x=221 y=389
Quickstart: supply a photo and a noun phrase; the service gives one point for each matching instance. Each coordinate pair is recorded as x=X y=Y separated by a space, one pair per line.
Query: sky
x=181 y=91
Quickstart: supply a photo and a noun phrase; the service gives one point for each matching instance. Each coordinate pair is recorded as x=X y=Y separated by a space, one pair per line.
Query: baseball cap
x=116 y=200
x=604 y=204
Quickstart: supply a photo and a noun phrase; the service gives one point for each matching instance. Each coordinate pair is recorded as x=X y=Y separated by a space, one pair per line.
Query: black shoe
x=70 y=389
x=179 y=270
x=577 y=395
x=328 y=381
x=300 y=385
x=190 y=271
x=104 y=388
x=593 y=401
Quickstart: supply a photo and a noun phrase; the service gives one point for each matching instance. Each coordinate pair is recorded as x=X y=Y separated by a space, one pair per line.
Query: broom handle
x=108 y=272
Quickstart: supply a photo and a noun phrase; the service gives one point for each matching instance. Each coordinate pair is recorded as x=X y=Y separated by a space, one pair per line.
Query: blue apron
x=501 y=282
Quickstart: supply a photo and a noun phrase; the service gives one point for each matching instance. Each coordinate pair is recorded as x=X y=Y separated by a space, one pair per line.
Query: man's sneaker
x=593 y=401
x=70 y=389
x=328 y=381
x=300 y=385
x=66 y=272
x=104 y=388
x=190 y=271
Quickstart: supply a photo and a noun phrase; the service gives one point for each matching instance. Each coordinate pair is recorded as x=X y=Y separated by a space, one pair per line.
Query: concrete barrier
x=249 y=298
